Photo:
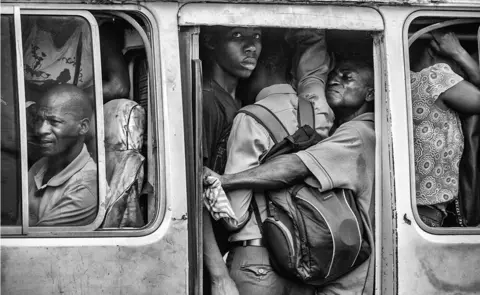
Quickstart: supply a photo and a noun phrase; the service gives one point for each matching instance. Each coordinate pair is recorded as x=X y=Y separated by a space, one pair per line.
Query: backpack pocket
x=277 y=232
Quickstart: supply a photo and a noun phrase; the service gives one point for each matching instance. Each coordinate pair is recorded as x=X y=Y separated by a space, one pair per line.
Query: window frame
x=15 y=12
x=195 y=15
x=28 y=230
x=155 y=149
x=452 y=14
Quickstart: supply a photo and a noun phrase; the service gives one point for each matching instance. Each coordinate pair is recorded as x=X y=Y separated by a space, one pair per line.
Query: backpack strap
x=268 y=120
x=305 y=113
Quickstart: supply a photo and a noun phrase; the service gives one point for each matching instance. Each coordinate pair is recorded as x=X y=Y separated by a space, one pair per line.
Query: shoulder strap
x=268 y=120
x=256 y=212
x=305 y=113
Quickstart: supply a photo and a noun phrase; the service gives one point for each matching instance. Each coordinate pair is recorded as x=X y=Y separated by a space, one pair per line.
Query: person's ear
x=208 y=41
x=370 y=94
x=84 y=126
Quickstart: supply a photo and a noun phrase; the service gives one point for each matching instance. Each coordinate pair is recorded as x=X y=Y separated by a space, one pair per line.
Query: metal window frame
x=428 y=13
x=102 y=185
x=14 y=11
x=281 y=16
x=156 y=148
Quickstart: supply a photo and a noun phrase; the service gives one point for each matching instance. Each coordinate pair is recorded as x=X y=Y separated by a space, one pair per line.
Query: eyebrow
x=53 y=117
x=347 y=70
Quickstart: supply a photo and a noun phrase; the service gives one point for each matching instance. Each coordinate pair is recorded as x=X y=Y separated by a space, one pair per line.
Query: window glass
x=63 y=171
x=59 y=85
x=10 y=142
x=445 y=83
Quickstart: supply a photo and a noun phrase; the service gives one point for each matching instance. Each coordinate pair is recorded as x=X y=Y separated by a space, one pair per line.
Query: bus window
x=75 y=182
x=270 y=53
x=63 y=186
x=445 y=108
x=10 y=141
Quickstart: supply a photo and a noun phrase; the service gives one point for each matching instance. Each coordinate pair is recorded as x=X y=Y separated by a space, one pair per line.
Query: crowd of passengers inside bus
x=276 y=69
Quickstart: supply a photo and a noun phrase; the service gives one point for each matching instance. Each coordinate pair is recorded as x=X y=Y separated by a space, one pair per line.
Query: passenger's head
x=350 y=88
x=234 y=50
x=63 y=120
x=272 y=65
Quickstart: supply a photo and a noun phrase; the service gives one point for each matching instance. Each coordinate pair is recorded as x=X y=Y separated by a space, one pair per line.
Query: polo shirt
x=249 y=141
x=68 y=198
x=347 y=160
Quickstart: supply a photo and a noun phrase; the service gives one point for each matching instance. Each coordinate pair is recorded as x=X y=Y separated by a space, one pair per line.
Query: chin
x=243 y=74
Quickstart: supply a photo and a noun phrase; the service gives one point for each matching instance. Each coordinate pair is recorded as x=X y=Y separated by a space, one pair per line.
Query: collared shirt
x=347 y=160
x=68 y=198
x=249 y=141
x=438 y=140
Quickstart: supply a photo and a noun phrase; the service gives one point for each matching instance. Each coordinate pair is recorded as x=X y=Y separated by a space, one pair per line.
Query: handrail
x=440 y=25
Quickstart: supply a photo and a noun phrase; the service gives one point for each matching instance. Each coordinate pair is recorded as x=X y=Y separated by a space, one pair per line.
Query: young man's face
x=56 y=127
x=237 y=50
x=347 y=87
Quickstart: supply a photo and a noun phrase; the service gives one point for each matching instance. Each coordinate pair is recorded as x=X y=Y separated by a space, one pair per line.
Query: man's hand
x=208 y=172
x=224 y=286
x=447 y=44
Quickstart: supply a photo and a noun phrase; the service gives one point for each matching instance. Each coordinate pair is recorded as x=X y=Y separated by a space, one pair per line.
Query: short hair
x=77 y=99
x=274 y=57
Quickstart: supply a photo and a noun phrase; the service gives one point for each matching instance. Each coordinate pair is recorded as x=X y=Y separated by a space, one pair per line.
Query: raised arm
x=310 y=67
x=448 y=44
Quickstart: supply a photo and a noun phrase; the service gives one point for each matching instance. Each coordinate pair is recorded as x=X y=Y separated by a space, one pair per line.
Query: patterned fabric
x=216 y=201
x=438 y=137
x=124 y=130
x=45 y=64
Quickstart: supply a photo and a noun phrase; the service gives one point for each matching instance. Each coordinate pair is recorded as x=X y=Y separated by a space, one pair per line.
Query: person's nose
x=333 y=80
x=250 y=45
x=43 y=128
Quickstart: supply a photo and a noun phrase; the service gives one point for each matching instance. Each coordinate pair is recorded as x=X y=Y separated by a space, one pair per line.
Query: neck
x=270 y=80
x=343 y=117
x=58 y=162
x=225 y=80
x=426 y=61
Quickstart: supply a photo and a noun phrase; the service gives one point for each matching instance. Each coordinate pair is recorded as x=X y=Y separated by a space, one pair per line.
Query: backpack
x=312 y=237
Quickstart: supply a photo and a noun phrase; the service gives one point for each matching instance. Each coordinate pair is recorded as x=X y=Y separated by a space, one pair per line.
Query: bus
x=160 y=43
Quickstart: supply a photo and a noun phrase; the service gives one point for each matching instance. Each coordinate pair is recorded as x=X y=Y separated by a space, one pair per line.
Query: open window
x=358 y=34
x=443 y=135
x=112 y=184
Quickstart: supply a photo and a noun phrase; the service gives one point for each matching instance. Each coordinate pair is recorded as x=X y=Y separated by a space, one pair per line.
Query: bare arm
x=448 y=45
x=464 y=97
x=280 y=172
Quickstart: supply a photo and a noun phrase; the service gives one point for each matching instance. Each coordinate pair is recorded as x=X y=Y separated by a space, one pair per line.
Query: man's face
x=56 y=126
x=347 y=87
x=237 y=50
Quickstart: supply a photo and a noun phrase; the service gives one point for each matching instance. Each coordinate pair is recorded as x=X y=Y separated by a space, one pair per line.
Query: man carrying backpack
x=344 y=160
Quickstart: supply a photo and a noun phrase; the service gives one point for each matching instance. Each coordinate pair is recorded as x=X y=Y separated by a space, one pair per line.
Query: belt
x=254 y=242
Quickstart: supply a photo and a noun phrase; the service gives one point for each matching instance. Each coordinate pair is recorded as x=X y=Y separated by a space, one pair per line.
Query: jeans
x=251 y=270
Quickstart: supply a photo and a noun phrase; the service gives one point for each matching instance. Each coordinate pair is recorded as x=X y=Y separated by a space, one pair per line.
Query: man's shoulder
x=86 y=176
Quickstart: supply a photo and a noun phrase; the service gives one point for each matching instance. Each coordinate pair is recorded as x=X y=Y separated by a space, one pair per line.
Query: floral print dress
x=438 y=137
